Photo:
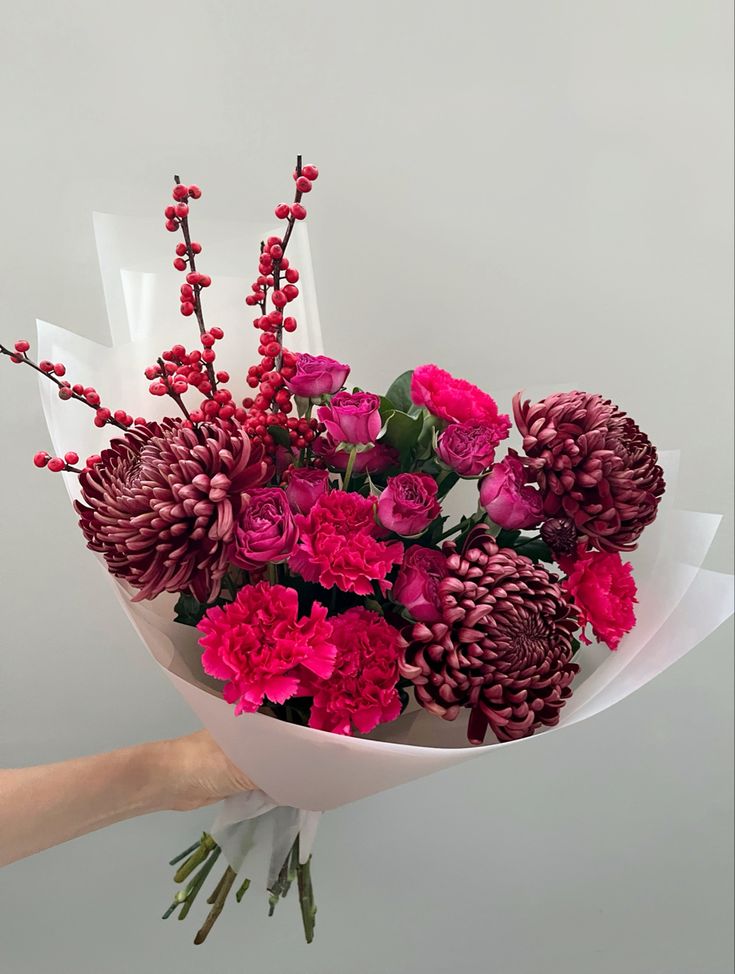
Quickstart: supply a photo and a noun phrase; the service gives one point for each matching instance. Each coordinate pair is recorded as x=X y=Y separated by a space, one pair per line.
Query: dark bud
x=560 y=534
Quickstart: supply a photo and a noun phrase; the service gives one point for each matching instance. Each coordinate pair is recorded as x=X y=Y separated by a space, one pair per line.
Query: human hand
x=197 y=772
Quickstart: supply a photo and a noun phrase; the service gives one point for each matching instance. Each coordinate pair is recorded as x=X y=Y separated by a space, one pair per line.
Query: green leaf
x=402 y=431
x=399 y=392
x=535 y=549
x=280 y=435
x=189 y=611
x=507 y=539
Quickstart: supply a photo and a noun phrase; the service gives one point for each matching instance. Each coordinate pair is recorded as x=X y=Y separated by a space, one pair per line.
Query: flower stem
x=243 y=890
x=306 y=899
x=205 y=845
x=350 y=465
x=218 y=900
x=192 y=890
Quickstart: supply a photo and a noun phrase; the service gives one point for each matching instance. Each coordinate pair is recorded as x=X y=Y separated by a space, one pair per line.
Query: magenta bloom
x=352 y=417
x=507 y=499
x=338 y=544
x=469 y=448
x=304 y=486
x=604 y=592
x=266 y=531
x=377 y=459
x=455 y=400
x=317 y=375
x=261 y=647
x=361 y=692
x=408 y=504
x=416 y=587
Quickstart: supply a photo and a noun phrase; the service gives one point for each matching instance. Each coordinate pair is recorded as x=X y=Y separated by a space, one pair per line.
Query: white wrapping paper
x=310 y=771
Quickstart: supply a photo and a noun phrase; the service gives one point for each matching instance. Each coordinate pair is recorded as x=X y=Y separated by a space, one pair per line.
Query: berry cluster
x=67 y=463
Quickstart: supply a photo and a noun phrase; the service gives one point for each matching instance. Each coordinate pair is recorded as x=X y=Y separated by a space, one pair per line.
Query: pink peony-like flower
x=377 y=459
x=361 y=692
x=469 y=448
x=317 y=375
x=338 y=544
x=352 y=417
x=265 y=532
x=455 y=400
x=304 y=486
x=507 y=499
x=604 y=591
x=416 y=587
x=408 y=504
x=261 y=647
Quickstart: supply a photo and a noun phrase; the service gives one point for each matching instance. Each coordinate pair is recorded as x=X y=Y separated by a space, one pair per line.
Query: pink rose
x=603 y=590
x=352 y=417
x=317 y=375
x=505 y=497
x=455 y=400
x=416 y=587
x=379 y=458
x=304 y=485
x=408 y=504
x=468 y=448
x=266 y=531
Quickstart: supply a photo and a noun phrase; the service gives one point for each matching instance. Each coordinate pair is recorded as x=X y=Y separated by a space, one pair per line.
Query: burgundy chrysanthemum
x=593 y=464
x=503 y=647
x=162 y=505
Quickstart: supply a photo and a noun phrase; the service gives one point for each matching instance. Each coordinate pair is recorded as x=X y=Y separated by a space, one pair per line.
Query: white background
x=523 y=192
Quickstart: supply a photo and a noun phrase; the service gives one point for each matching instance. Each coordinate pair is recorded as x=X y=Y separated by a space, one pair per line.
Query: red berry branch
x=177 y=217
x=85 y=394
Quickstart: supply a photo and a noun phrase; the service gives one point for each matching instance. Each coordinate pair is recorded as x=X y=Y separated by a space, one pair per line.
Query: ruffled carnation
x=338 y=544
x=361 y=692
x=456 y=400
x=604 y=592
x=261 y=647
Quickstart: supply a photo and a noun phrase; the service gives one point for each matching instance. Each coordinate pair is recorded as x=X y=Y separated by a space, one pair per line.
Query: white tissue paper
x=300 y=771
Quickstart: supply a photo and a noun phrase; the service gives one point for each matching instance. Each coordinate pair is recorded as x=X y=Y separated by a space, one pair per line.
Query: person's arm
x=44 y=806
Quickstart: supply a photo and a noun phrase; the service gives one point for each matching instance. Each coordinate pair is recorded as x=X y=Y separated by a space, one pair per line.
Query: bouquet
x=282 y=541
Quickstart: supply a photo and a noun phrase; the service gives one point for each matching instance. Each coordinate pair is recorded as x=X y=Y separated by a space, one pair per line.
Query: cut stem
x=350 y=466
x=222 y=891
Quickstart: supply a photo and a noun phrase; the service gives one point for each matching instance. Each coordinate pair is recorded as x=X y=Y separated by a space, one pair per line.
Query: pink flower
x=361 y=692
x=416 y=587
x=505 y=498
x=304 y=485
x=469 y=448
x=317 y=375
x=455 y=400
x=408 y=504
x=338 y=544
x=352 y=417
x=264 y=651
x=266 y=531
x=604 y=591
x=377 y=459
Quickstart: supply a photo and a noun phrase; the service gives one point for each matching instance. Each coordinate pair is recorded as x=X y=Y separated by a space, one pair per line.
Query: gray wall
x=519 y=190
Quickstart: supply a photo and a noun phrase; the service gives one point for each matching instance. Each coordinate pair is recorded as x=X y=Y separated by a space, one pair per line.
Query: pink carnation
x=604 y=591
x=262 y=649
x=338 y=544
x=456 y=400
x=361 y=692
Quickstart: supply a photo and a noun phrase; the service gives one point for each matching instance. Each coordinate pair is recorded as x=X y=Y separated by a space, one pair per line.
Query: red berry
x=195 y=192
x=180 y=192
x=187 y=308
x=208 y=355
x=182 y=210
x=181 y=249
x=170 y=212
x=71 y=457
x=171 y=225
x=193 y=278
x=216 y=332
x=289 y=324
x=279 y=299
x=180 y=387
x=41 y=458
x=46 y=366
x=292 y=275
x=22 y=346
x=93 y=460
x=276 y=251
x=56 y=464
x=303 y=185
x=205 y=280
x=187 y=291
x=298 y=211
x=291 y=292
x=282 y=211
x=251 y=300
x=180 y=264
x=207 y=339
x=196 y=248
x=311 y=172
x=65 y=392
x=223 y=376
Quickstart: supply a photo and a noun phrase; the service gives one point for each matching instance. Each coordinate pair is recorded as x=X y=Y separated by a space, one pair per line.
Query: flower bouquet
x=283 y=544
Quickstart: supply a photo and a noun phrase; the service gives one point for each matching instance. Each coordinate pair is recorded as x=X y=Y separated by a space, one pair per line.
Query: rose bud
x=468 y=448
x=416 y=587
x=304 y=485
x=266 y=531
x=317 y=375
x=408 y=504
x=506 y=498
x=352 y=417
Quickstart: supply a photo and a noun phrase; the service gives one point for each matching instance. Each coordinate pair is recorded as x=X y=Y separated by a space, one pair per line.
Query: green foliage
x=535 y=549
x=280 y=435
x=507 y=539
x=399 y=393
x=190 y=611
